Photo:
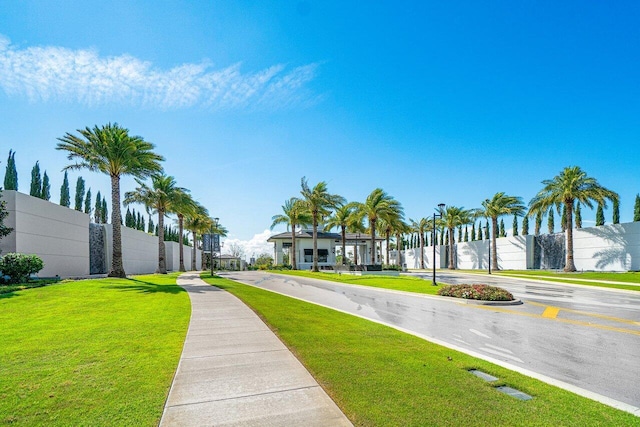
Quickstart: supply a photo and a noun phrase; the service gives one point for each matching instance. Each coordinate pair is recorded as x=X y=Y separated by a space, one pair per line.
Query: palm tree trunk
x=194 y=252
x=181 y=243
x=494 y=250
x=421 y=250
x=294 y=264
x=315 y=242
x=372 y=224
x=398 y=248
x=569 y=265
x=162 y=262
x=344 y=244
x=117 y=270
x=451 y=264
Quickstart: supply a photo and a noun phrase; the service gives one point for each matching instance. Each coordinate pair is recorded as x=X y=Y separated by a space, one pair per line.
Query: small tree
x=486 y=231
x=538 y=224
x=79 y=199
x=97 y=215
x=600 y=214
x=551 y=221
x=151 y=228
x=103 y=211
x=46 y=187
x=578 y=213
x=525 y=225
x=466 y=234
x=636 y=208
x=473 y=231
x=20 y=266
x=87 y=202
x=616 y=211
x=11 y=174
x=65 y=197
x=36 y=181
x=515 y=225
x=127 y=218
x=503 y=231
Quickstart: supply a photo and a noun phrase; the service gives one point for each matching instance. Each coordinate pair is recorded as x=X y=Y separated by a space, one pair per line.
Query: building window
x=323 y=255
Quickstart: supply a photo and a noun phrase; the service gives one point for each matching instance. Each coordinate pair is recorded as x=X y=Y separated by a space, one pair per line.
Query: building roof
x=323 y=235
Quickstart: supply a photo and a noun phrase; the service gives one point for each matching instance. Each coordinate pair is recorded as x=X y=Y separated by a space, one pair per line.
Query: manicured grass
x=398 y=283
x=37 y=283
x=591 y=278
x=382 y=377
x=92 y=352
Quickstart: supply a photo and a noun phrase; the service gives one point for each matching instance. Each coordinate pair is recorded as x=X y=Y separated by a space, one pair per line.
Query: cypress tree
x=127 y=218
x=486 y=231
x=150 y=228
x=616 y=211
x=65 y=197
x=563 y=219
x=551 y=221
x=636 y=208
x=87 y=202
x=503 y=231
x=459 y=233
x=600 y=215
x=525 y=226
x=36 y=181
x=141 y=222
x=446 y=241
x=578 y=216
x=11 y=174
x=104 y=213
x=97 y=216
x=466 y=234
x=46 y=187
x=79 y=198
x=473 y=231
x=538 y=224
x=515 y=225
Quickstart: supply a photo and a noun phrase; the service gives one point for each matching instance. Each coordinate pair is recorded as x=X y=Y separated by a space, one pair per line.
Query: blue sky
x=432 y=101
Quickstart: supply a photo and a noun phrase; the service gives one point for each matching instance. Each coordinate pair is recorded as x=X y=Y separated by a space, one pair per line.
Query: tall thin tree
x=65 y=197
x=79 y=197
x=36 y=181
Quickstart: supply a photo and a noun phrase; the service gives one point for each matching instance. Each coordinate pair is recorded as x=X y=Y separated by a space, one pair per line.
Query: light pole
x=433 y=240
x=489 y=241
x=355 y=249
x=213 y=224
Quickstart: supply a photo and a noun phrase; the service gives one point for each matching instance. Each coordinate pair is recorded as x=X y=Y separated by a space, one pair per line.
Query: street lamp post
x=433 y=240
x=213 y=224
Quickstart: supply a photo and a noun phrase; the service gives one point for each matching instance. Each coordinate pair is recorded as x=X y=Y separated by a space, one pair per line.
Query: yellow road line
x=551 y=312
x=586 y=313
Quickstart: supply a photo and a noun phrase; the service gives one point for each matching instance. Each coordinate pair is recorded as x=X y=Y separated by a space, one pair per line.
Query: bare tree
x=236 y=251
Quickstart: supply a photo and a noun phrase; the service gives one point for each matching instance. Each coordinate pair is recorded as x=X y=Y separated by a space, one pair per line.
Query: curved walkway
x=234 y=371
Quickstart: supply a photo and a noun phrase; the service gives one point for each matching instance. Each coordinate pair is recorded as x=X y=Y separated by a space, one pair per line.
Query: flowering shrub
x=476 y=291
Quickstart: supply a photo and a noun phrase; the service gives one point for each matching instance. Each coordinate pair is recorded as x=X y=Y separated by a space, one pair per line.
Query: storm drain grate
x=483 y=375
x=514 y=393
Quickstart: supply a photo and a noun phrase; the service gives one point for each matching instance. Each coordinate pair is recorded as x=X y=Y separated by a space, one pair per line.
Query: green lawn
x=382 y=377
x=398 y=283
x=92 y=352
x=590 y=278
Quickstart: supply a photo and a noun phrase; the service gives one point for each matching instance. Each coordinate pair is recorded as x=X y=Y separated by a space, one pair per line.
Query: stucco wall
x=614 y=247
x=139 y=250
x=411 y=257
x=58 y=235
x=512 y=253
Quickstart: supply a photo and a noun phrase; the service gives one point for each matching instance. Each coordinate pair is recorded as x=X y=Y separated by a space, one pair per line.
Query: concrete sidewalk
x=235 y=372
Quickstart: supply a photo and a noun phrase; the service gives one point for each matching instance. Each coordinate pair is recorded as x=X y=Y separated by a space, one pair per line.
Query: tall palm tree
x=452 y=217
x=500 y=204
x=421 y=226
x=197 y=221
x=342 y=218
x=570 y=185
x=217 y=228
x=183 y=206
x=293 y=214
x=399 y=229
x=161 y=197
x=319 y=203
x=111 y=150
x=387 y=225
x=378 y=205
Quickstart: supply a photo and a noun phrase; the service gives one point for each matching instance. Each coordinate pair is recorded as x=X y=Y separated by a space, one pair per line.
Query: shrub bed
x=476 y=291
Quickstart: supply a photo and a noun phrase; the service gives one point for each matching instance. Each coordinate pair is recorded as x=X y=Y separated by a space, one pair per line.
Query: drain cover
x=483 y=375
x=514 y=393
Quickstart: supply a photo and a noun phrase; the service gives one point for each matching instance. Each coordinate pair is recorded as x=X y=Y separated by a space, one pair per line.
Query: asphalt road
x=588 y=338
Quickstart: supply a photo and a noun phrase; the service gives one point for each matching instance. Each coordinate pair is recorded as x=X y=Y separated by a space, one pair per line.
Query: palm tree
x=387 y=225
x=342 y=218
x=162 y=197
x=197 y=221
x=452 y=217
x=500 y=204
x=293 y=214
x=571 y=185
x=111 y=150
x=319 y=203
x=421 y=226
x=185 y=205
x=378 y=205
x=217 y=228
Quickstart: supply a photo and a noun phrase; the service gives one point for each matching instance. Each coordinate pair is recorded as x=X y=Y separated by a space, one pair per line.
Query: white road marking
x=498 y=348
x=479 y=333
x=498 y=353
x=459 y=340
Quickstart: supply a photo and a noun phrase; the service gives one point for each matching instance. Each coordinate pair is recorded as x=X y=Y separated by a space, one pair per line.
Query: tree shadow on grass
x=146 y=287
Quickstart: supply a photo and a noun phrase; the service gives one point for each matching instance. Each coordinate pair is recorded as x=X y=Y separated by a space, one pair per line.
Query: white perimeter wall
x=58 y=235
x=512 y=253
x=614 y=247
x=411 y=257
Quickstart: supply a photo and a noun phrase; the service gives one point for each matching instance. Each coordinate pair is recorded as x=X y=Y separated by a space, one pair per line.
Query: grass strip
x=398 y=283
x=382 y=377
x=91 y=352
x=574 y=279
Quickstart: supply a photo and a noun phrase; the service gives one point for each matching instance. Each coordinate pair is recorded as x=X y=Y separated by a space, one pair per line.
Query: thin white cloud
x=53 y=73
x=256 y=246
